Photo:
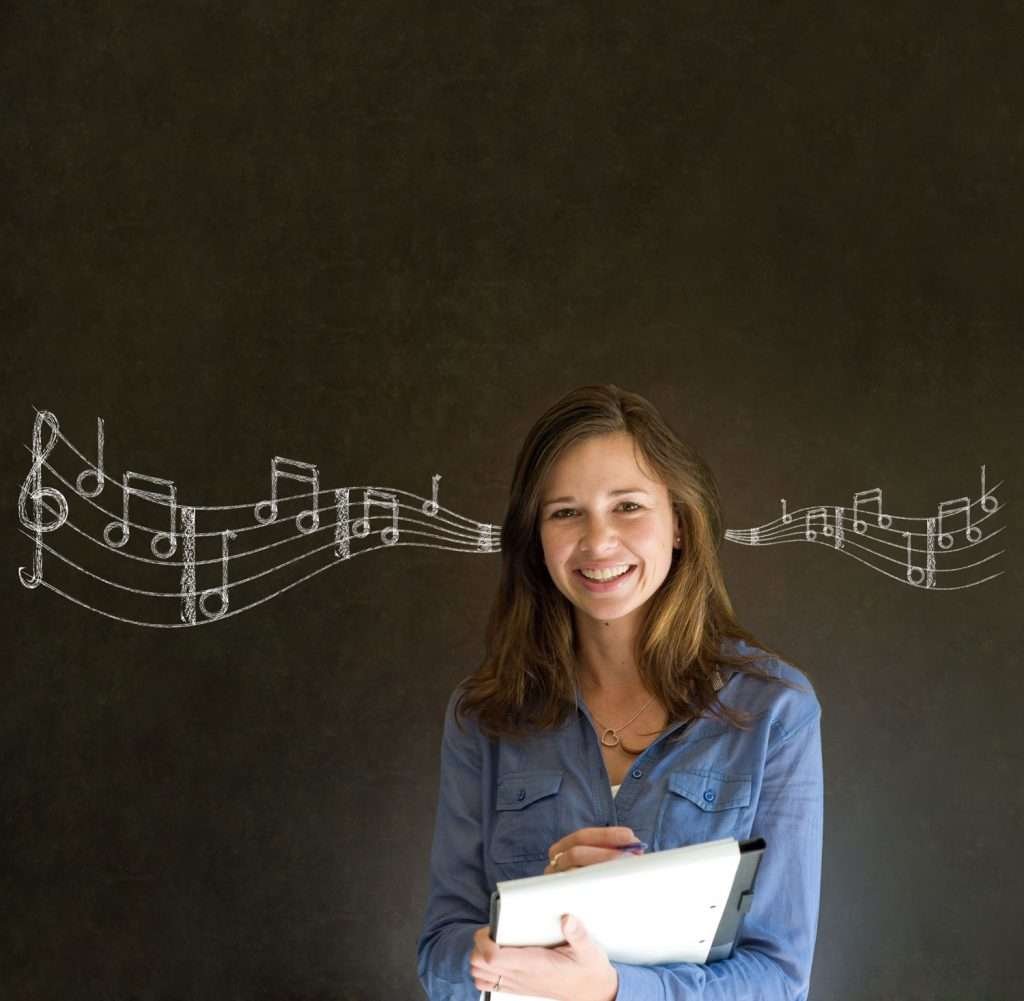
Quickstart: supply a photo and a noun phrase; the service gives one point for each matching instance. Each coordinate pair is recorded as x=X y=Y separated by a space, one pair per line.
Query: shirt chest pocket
x=527 y=821
x=702 y=804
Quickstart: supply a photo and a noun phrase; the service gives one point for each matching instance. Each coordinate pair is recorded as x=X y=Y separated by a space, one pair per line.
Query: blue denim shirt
x=503 y=802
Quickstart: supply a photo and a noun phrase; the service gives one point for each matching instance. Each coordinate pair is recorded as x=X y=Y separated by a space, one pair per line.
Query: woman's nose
x=598 y=535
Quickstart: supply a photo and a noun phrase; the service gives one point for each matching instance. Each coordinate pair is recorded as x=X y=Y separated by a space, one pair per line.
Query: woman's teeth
x=607 y=574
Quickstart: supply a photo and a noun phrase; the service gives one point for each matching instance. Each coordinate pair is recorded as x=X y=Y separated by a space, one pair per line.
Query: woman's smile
x=608 y=579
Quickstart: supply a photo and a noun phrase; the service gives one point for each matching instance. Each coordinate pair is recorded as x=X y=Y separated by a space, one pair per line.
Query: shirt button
x=637 y=773
x=522 y=795
x=709 y=795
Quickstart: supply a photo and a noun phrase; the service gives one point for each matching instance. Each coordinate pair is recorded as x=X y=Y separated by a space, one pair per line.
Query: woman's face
x=601 y=516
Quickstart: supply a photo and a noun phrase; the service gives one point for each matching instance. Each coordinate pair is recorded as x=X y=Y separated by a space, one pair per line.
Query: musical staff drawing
x=296 y=537
x=906 y=549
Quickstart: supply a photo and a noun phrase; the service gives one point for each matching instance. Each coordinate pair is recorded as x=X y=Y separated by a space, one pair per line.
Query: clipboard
x=673 y=906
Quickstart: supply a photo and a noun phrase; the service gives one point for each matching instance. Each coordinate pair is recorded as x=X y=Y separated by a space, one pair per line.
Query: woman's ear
x=677 y=527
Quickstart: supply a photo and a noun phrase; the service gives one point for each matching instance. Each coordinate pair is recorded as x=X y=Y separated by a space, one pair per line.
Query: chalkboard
x=381 y=239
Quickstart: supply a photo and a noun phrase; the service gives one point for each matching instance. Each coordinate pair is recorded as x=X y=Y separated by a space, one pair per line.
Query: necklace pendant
x=610 y=738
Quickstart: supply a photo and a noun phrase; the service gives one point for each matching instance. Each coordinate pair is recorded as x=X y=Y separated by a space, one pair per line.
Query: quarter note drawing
x=430 y=506
x=256 y=550
x=908 y=549
x=922 y=576
x=221 y=593
x=96 y=472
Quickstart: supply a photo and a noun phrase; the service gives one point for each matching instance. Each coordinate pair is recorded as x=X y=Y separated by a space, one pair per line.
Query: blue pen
x=634 y=847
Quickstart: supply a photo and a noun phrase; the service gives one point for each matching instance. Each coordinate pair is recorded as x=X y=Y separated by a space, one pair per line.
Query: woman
x=619 y=700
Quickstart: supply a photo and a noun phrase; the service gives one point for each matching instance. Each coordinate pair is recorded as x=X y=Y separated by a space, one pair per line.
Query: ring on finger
x=554 y=859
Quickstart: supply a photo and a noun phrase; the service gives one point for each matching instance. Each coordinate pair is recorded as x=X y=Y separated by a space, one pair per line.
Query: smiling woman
x=619 y=701
x=618 y=548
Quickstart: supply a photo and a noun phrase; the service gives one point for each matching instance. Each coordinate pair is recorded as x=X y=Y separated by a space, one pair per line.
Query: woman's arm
x=458 y=902
x=772 y=960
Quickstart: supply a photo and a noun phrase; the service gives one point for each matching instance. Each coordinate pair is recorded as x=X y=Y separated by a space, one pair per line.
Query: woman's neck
x=606 y=652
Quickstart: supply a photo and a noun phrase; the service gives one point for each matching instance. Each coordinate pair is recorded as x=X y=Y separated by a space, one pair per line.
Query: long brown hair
x=528 y=674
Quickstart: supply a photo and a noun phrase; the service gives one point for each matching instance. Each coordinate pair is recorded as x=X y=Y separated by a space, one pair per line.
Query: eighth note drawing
x=908 y=552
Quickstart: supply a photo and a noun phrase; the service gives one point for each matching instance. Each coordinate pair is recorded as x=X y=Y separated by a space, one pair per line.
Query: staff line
x=238 y=611
x=828 y=543
x=234 y=583
x=455 y=530
x=801 y=514
x=744 y=537
x=469 y=540
x=903 y=579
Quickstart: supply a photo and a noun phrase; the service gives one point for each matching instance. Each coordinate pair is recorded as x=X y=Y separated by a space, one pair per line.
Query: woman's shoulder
x=456 y=717
x=787 y=695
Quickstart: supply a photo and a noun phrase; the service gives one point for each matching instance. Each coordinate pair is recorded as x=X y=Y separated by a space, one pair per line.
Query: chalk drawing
x=33 y=490
x=919 y=541
x=905 y=549
x=324 y=532
x=168 y=496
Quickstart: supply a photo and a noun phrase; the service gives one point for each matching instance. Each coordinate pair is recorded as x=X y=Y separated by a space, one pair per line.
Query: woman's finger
x=598 y=837
x=579 y=856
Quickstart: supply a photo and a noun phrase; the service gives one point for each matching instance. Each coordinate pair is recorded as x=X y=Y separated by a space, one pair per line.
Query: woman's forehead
x=599 y=463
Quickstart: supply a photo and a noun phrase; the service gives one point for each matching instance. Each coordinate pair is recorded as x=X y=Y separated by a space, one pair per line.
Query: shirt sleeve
x=458 y=902
x=772 y=958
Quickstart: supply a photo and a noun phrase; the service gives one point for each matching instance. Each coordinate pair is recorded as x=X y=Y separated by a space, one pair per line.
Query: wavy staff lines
x=234 y=583
x=800 y=537
x=238 y=611
x=469 y=540
x=43 y=509
x=902 y=579
x=455 y=530
x=851 y=528
x=765 y=535
x=792 y=516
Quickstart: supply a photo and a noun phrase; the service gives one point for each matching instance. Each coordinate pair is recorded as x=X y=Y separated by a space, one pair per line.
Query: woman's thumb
x=575 y=933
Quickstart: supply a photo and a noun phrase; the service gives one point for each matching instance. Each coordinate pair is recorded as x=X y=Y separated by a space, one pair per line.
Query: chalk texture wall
x=381 y=238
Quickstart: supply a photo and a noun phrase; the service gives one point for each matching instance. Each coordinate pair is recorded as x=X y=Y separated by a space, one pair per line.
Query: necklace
x=610 y=736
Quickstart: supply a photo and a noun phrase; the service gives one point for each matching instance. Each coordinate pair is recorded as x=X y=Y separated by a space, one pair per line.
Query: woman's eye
x=628 y=506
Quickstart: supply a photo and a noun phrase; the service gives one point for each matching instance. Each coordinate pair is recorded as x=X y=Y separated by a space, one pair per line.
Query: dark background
x=383 y=237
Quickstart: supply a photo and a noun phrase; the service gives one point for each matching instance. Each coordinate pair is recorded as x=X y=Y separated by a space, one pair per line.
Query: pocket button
x=709 y=795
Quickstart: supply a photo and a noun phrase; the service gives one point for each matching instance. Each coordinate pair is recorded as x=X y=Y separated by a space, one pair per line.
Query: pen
x=634 y=847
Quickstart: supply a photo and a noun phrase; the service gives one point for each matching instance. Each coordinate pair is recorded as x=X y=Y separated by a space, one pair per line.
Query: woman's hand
x=576 y=971
x=587 y=846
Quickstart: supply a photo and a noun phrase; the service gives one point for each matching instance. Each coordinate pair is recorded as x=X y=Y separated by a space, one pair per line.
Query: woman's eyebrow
x=611 y=493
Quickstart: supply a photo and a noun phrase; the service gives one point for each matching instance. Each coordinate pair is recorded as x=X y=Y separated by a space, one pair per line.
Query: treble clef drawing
x=33 y=490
